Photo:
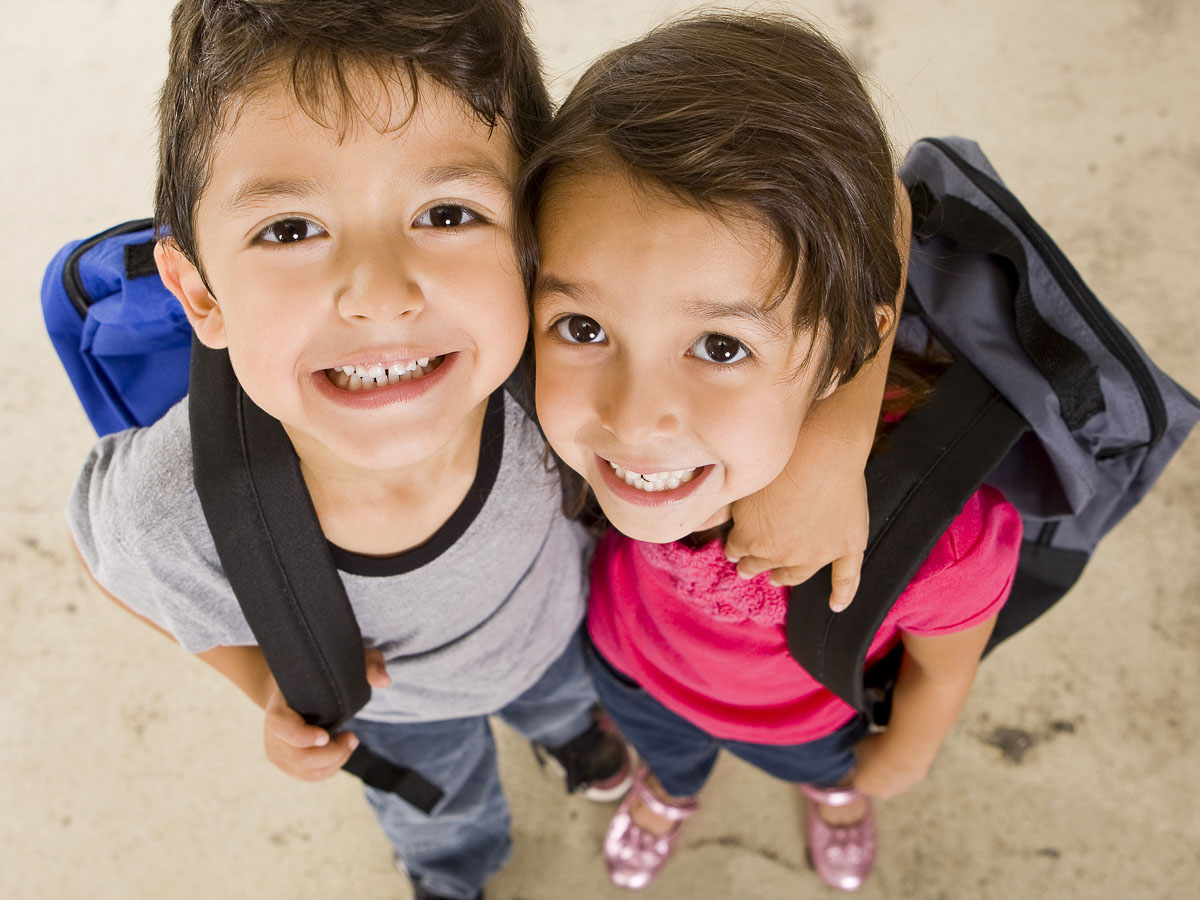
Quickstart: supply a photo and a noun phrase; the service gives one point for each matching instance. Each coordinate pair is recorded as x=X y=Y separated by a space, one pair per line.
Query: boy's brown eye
x=446 y=215
x=290 y=231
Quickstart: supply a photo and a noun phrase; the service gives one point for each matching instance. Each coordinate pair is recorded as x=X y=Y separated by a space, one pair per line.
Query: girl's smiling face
x=666 y=375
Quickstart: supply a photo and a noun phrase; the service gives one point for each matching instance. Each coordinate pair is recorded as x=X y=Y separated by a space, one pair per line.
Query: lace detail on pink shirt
x=707 y=581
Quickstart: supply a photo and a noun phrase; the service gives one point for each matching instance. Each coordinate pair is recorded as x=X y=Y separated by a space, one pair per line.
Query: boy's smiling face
x=660 y=355
x=365 y=281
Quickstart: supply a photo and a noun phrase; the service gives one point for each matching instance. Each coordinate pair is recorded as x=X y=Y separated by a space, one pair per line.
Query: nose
x=381 y=282
x=639 y=405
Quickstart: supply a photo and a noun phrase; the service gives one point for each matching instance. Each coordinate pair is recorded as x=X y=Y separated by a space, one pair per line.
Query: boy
x=334 y=200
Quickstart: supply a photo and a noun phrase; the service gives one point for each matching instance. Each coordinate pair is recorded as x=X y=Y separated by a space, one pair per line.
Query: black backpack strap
x=930 y=465
x=278 y=562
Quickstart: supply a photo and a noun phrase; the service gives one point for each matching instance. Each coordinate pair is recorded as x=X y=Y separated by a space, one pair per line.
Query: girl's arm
x=935 y=677
x=815 y=512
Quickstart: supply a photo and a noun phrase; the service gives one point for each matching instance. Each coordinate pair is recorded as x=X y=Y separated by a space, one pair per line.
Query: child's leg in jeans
x=454 y=850
x=826 y=762
x=679 y=755
x=558 y=715
x=559 y=706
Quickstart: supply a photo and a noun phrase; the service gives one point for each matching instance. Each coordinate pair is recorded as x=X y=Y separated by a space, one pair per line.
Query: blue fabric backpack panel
x=121 y=335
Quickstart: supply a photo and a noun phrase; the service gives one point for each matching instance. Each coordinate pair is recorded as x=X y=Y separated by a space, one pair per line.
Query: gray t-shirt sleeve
x=141 y=532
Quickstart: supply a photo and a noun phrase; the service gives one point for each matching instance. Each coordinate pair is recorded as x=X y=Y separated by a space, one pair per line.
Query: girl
x=714 y=208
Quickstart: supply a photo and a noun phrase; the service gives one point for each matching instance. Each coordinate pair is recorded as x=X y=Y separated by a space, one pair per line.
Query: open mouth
x=655 y=482
x=367 y=378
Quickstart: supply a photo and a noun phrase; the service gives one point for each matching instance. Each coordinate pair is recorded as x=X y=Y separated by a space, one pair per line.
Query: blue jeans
x=465 y=839
x=682 y=755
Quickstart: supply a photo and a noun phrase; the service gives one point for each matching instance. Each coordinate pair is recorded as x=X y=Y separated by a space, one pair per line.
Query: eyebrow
x=546 y=283
x=483 y=174
x=257 y=190
x=748 y=310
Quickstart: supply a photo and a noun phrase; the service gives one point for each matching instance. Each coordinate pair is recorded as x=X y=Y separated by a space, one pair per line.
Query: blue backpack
x=121 y=335
x=1049 y=399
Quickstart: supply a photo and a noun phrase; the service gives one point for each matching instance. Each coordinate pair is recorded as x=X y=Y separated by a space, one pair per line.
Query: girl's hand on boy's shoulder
x=883 y=774
x=796 y=529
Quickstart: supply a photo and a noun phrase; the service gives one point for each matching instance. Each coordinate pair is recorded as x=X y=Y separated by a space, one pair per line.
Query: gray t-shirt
x=467 y=622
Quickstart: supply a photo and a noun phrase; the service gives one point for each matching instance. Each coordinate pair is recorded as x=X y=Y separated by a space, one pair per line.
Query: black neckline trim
x=491 y=452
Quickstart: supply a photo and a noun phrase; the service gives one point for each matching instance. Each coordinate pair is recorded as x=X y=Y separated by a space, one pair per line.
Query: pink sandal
x=843 y=855
x=633 y=855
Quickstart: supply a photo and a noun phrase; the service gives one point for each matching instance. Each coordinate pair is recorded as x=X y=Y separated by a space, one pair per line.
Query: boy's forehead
x=274 y=128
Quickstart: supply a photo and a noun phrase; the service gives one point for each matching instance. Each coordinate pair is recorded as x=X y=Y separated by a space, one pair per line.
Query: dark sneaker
x=419 y=893
x=596 y=762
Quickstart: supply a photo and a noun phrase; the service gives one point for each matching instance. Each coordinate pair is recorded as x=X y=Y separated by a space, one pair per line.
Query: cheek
x=488 y=302
x=756 y=436
x=561 y=401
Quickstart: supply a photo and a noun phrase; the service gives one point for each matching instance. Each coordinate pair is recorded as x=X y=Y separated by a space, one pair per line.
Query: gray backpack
x=1048 y=399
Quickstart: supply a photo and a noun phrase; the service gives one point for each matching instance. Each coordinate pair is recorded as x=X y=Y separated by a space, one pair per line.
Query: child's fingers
x=845 y=575
x=750 y=566
x=285 y=724
x=318 y=763
x=377 y=675
x=847 y=571
x=314 y=764
x=738 y=548
x=781 y=576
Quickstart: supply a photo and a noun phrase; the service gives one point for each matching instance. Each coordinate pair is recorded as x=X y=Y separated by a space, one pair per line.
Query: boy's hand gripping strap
x=278 y=562
x=929 y=466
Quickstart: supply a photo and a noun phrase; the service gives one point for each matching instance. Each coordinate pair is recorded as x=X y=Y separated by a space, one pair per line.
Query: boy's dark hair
x=221 y=51
x=737 y=113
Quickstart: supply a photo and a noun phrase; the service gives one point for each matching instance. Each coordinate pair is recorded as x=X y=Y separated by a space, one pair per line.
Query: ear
x=183 y=279
x=885 y=321
x=834 y=384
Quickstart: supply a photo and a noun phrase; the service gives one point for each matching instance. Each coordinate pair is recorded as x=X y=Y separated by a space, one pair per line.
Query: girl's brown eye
x=579 y=330
x=720 y=348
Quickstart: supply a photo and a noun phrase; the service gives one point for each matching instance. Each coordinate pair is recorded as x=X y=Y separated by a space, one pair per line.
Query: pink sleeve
x=968 y=575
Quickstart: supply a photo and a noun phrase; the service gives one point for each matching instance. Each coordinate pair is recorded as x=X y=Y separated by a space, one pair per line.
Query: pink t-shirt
x=711 y=646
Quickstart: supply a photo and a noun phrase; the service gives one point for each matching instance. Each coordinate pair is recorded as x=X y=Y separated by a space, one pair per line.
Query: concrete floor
x=131 y=771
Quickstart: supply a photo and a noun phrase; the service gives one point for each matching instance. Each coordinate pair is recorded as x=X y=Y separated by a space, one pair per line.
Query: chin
x=652 y=530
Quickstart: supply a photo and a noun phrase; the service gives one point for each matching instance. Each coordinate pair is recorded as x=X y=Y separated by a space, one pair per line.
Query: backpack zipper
x=1077 y=292
x=72 y=282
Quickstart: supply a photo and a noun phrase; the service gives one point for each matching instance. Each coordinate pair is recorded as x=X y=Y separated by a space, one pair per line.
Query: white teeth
x=378 y=375
x=656 y=481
